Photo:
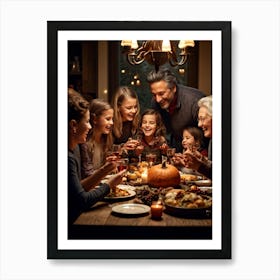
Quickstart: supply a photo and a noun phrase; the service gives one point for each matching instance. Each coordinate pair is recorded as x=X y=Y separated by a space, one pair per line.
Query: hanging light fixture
x=157 y=52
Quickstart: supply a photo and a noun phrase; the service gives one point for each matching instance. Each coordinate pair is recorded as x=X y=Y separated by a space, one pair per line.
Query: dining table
x=102 y=222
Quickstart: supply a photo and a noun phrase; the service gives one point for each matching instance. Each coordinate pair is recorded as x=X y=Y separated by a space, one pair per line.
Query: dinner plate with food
x=195 y=179
x=120 y=194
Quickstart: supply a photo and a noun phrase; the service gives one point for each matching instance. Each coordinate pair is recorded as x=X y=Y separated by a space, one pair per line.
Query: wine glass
x=122 y=164
x=139 y=148
x=170 y=153
x=116 y=150
x=151 y=158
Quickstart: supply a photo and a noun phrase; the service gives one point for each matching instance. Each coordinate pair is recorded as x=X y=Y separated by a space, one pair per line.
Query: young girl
x=151 y=134
x=93 y=153
x=193 y=139
x=126 y=114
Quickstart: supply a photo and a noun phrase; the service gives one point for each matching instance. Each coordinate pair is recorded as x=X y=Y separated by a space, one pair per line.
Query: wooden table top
x=101 y=222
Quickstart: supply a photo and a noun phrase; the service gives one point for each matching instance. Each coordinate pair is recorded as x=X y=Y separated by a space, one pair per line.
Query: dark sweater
x=184 y=113
x=79 y=199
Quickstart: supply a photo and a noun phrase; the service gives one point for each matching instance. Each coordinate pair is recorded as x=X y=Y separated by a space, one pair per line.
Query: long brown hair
x=197 y=134
x=160 y=130
x=97 y=107
x=121 y=94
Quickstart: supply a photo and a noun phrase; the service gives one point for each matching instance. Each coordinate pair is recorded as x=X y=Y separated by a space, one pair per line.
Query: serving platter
x=189 y=203
x=188 y=212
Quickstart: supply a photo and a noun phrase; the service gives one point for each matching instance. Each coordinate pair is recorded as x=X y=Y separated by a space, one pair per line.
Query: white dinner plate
x=131 y=209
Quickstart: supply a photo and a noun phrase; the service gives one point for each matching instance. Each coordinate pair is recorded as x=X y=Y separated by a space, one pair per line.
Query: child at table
x=193 y=140
x=99 y=140
x=151 y=136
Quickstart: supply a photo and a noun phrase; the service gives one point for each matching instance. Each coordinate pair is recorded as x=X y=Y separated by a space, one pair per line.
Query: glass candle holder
x=156 y=210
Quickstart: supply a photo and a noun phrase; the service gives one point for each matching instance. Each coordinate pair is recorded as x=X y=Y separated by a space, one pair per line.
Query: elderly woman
x=78 y=128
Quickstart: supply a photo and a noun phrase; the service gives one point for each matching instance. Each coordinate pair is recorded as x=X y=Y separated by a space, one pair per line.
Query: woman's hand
x=131 y=144
x=108 y=167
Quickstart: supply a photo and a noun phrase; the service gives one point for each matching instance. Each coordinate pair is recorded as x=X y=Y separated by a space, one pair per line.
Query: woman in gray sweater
x=79 y=126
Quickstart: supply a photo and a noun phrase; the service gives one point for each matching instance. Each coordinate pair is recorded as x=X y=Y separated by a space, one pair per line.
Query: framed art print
x=94 y=59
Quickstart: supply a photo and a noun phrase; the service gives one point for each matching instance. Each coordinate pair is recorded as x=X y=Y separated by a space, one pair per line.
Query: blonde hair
x=121 y=94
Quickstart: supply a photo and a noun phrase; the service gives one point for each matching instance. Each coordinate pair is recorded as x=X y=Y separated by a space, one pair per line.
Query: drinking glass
x=116 y=150
x=170 y=154
x=151 y=158
x=122 y=164
x=139 y=148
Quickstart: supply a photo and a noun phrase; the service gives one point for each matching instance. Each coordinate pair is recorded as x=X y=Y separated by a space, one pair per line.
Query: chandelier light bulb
x=166 y=47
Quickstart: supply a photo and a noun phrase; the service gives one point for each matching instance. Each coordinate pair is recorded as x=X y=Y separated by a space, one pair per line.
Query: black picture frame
x=53 y=250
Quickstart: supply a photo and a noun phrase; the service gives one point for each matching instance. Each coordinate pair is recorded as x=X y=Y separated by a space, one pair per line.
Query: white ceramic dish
x=131 y=209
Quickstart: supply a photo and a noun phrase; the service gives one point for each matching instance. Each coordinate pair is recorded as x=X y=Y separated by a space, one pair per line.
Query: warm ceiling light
x=157 y=52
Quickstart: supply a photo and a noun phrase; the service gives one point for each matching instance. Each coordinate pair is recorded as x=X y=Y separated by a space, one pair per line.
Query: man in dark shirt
x=176 y=103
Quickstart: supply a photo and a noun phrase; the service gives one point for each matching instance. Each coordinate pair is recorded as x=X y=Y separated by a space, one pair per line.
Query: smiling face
x=188 y=140
x=82 y=128
x=205 y=122
x=162 y=94
x=128 y=109
x=104 y=123
x=149 y=125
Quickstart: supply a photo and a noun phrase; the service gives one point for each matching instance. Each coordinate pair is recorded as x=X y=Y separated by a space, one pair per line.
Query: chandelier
x=157 y=52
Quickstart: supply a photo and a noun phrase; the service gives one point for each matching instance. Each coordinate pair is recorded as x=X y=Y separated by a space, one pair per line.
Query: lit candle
x=144 y=176
x=156 y=211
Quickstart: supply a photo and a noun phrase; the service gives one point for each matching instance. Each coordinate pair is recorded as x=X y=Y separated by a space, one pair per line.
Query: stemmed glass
x=170 y=153
x=116 y=150
x=151 y=158
x=139 y=148
x=122 y=164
